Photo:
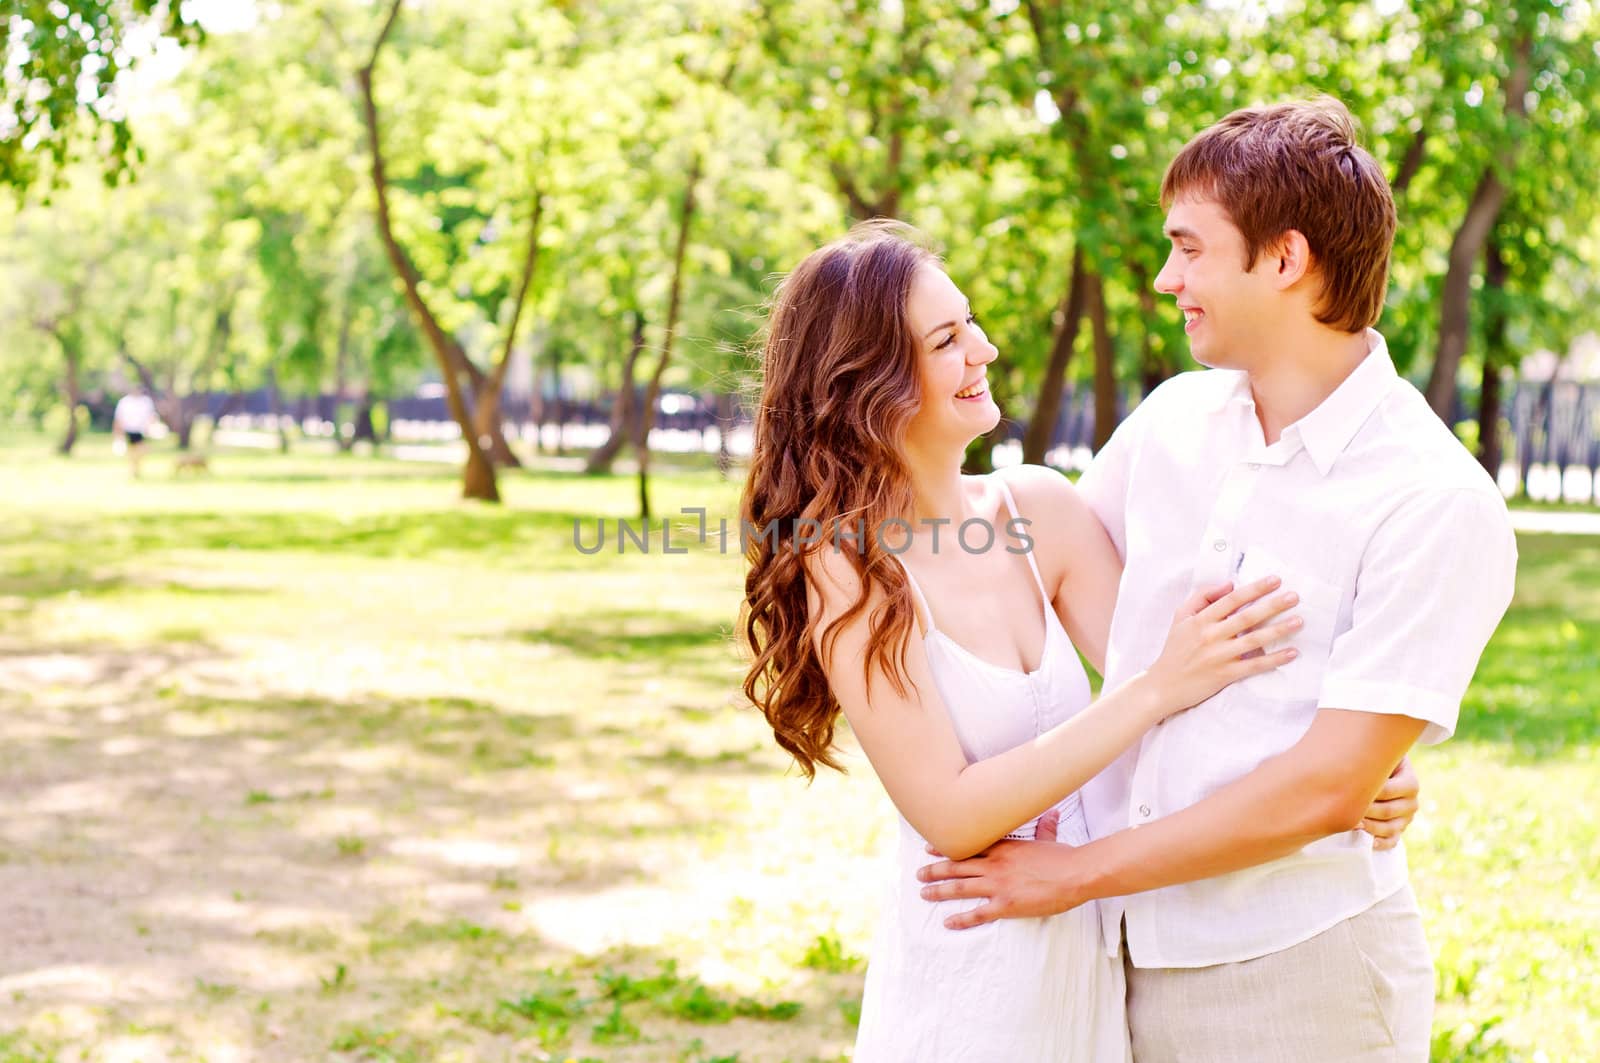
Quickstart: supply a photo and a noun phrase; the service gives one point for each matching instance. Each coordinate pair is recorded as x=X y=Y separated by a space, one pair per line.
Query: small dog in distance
x=190 y=464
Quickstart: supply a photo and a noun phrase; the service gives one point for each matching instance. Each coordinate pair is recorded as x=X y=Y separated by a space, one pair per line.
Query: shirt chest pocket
x=1301 y=678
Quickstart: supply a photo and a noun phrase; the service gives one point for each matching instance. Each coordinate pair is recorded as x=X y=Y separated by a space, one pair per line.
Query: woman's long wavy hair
x=839 y=385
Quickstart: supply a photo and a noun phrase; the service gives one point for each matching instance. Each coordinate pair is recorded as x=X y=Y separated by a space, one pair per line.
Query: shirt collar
x=1328 y=429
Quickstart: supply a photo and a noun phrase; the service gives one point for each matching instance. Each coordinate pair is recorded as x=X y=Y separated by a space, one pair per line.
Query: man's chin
x=1210 y=358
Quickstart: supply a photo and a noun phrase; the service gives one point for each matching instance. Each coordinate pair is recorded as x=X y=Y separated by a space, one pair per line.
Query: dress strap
x=916 y=591
x=1011 y=505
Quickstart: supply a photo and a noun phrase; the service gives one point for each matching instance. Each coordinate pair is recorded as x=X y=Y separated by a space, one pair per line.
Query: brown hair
x=839 y=386
x=1298 y=166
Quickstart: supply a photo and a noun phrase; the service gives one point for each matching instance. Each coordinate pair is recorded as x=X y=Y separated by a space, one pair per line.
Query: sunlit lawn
x=305 y=759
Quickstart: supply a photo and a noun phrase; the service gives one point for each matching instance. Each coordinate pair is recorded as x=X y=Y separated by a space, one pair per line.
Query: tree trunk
x=186 y=417
x=487 y=387
x=341 y=370
x=1153 y=375
x=1494 y=357
x=191 y=404
x=361 y=428
x=1454 y=321
x=622 y=414
x=478 y=479
x=539 y=412
x=71 y=392
x=1410 y=163
x=1153 y=370
x=1487 y=199
x=489 y=431
x=275 y=409
x=1105 y=370
x=725 y=421
x=491 y=428
x=1041 y=430
x=557 y=401
x=652 y=391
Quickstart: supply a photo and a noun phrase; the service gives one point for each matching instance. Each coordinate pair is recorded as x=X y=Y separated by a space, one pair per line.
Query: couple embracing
x=1285 y=568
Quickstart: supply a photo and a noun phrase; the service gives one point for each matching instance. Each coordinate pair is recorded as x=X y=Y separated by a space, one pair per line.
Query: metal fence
x=1554 y=430
x=1551 y=428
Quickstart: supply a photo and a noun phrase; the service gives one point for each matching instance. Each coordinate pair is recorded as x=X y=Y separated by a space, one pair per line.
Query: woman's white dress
x=1015 y=990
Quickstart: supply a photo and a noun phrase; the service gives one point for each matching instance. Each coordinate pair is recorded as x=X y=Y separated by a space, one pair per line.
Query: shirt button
x=1220 y=545
x=1144 y=810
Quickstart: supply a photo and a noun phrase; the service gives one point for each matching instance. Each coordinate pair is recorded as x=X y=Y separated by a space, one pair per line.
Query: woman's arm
x=963 y=808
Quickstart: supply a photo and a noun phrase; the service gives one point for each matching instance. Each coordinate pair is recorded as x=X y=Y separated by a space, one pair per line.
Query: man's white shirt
x=1402 y=553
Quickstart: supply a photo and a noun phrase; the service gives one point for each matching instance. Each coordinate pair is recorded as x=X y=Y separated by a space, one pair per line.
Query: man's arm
x=1321 y=786
x=1420 y=624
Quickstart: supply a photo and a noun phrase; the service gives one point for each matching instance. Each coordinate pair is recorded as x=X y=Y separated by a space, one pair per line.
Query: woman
x=939 y=613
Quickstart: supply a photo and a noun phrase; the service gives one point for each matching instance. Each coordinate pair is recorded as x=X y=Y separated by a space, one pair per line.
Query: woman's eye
x=972 y=319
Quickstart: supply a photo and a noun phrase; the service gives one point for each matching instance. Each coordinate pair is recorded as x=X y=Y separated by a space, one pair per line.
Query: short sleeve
x=1434 y=581
x=1104 y=484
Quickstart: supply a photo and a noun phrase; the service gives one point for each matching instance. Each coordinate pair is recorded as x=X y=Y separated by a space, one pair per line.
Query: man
x=134 y=416
x=1255 y=922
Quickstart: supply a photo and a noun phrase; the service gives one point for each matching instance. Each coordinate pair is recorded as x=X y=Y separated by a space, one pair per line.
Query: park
x=303 y=758
x=380 y=697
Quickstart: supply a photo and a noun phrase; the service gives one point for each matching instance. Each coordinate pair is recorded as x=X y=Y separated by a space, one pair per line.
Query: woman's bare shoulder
x=1059 y=520
x=833 y=583
x=1041 y=491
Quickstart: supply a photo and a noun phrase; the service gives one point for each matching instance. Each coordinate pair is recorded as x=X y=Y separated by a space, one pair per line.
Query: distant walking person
x=136 y=413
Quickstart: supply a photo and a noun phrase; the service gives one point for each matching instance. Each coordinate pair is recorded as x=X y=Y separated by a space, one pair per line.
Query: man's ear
x=1290 y=259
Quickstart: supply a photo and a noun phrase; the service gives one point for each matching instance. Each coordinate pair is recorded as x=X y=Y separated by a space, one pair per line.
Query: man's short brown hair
x=1298 y=166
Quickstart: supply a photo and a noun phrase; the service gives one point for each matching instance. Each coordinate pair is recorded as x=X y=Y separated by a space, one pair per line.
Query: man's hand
x=1392 y=811
x=1037 y=878
x=1018 y=879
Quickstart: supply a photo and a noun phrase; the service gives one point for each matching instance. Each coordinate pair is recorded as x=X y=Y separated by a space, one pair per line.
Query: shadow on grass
x=58 y=552
x=364 y=992
x=101 y=669
x=404 y=777
x=38 y=582
x=621 y=634
x=357 y=866
x=634 y=643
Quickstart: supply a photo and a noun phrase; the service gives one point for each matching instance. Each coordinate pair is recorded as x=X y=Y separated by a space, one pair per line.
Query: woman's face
x=953 y=355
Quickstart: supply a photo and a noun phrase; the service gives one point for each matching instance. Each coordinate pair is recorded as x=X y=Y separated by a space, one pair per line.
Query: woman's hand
x=1392 y=811
x=1219 y=636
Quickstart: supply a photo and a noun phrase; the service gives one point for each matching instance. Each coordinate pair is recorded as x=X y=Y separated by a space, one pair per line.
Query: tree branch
x=530 y=263
x=1410 y=164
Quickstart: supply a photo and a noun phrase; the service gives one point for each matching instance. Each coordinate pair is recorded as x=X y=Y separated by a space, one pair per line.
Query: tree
x=57 y=94
x=1472 y=236
x=54 y=261
x=479 y=476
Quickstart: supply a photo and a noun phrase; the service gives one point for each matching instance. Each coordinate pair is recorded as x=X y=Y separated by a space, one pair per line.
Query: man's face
x=1227 y=309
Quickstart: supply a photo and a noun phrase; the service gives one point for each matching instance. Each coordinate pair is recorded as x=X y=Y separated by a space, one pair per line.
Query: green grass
x=308 y=759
